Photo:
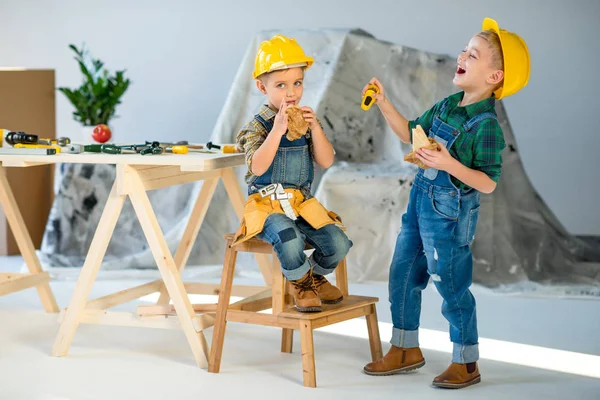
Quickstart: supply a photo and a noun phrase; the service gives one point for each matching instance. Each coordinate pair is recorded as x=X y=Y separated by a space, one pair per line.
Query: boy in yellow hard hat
x=439 y=224
x=280 y=208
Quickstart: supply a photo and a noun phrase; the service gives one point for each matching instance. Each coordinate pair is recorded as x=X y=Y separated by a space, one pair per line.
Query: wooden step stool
x=284 y=314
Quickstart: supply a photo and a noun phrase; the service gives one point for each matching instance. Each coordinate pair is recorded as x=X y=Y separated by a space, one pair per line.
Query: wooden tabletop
x=187 y=162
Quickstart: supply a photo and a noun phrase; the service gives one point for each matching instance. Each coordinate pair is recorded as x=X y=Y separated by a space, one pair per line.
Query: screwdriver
x=177 y=149
x=112 y=149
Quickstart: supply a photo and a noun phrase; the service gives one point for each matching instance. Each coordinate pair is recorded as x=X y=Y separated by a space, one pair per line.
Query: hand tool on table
x=26 y=151
x=177 y=149
x=14 y=138
x=36 y=146
x=114 y=149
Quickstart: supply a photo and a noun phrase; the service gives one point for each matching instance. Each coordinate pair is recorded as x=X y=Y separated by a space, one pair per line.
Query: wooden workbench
x=136 y=174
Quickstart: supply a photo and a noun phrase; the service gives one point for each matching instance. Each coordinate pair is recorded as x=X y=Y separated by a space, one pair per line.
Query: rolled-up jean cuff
x=295 y=274
x=464 y=354
x=317 y=269
x=404 y=338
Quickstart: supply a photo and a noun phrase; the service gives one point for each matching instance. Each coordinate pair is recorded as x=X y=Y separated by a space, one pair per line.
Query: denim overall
x=434 y=242
x=293 y=168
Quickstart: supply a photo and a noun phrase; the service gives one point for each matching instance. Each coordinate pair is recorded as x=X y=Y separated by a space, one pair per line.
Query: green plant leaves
x=96 y=100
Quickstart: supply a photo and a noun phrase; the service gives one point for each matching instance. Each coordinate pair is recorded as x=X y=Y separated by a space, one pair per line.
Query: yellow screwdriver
x=36 y=146
x=177 y=149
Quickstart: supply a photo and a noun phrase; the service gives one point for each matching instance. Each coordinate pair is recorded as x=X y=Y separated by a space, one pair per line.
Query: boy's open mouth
x=291 y=103
x=460 y=71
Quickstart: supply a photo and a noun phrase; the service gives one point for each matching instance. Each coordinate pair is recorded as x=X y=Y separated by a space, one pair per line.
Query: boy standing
x=439 y=224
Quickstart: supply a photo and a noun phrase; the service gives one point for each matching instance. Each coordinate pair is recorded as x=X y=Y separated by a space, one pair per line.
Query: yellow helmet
x=516 y=60
x=278 y=53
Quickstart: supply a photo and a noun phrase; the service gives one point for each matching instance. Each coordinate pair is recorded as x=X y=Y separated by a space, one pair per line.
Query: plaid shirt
x=481 y=151
x=253 y=134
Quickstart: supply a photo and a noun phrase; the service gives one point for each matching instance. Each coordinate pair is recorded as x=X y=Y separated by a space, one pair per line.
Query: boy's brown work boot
x=328 y=293
x=305 y=295
x=397 y=360
x=458 y=376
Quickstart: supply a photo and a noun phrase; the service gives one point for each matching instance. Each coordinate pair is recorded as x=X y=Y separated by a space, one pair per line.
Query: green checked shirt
x=253 y=134
x=481 y=151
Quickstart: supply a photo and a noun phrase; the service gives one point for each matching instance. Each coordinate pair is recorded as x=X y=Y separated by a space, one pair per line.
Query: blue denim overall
x=293 y=168
x=437 y=231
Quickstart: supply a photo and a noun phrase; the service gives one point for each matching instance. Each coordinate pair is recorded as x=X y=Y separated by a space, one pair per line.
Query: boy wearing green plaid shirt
x=439 y=224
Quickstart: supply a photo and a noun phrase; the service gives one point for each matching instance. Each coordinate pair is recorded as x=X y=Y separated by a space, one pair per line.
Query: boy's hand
x=281 y=120
x=441 y=160
x=378 y=96
x=310 y=117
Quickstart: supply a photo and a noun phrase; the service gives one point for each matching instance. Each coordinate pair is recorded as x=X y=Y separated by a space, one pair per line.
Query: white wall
x=182 y=57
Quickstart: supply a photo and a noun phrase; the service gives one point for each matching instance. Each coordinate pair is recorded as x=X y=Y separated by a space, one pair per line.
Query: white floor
x=127 y=363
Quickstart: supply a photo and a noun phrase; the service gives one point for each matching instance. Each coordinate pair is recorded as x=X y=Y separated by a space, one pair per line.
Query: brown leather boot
x=397 y=360
x=305 y=296
x=328 y=293
x=457 y=376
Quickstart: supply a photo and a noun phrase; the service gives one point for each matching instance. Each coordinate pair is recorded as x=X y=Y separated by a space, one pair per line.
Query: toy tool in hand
x=368 y=99
x=297 y=125
x=420 y=140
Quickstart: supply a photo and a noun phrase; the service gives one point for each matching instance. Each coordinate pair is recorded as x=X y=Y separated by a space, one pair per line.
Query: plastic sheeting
x=519 y=245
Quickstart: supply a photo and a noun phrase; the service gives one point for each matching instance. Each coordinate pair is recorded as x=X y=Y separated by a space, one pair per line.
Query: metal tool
x=24 y=151
x=73 y=148
x=277 y=192
x=113 y=149
x=368 y=99
x=14 y=138
x=211 y=146
x=93 y=148
x=36 y=146
x=61 y=141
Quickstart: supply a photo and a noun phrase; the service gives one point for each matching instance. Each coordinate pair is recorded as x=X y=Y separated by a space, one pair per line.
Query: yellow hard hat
x=516 y=60
x=277 y=53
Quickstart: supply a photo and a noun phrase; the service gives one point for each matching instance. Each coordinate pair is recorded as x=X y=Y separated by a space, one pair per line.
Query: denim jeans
x=434 y=241
x=289 y=239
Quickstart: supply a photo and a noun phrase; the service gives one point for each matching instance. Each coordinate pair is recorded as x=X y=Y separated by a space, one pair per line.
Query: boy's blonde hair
x=494 y=43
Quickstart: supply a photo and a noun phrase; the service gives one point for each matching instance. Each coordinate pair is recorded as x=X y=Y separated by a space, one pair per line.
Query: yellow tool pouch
x=258 y=208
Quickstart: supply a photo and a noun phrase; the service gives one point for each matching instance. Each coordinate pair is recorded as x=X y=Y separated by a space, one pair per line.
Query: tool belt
x=274 y=199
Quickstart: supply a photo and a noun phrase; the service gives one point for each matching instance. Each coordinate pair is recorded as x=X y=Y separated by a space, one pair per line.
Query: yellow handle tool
x=36 y=146
x=177 y=149
x=368 y=100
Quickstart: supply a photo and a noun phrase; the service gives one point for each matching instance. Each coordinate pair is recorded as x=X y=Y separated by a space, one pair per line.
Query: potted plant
x=96 y=100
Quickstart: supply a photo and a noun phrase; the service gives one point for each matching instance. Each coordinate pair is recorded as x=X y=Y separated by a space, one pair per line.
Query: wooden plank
x=341 y=277
x=308 y=354
x=218 y=341
x=249 y=317
x=348 y=303
x=238 y=201
x=123 y=296
x=278 y=286
x=256 y=247
x=169 y=309
x=88 y=273
x=119 y=318
x=170 y=175
x=340 y=316
x=287 y=340
x=374 y=338
x=188 y=162
x=191 y=230
x=18 y=282
x=258 y=302
x=21 y=235
x=214 y=289
x=166 y=265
